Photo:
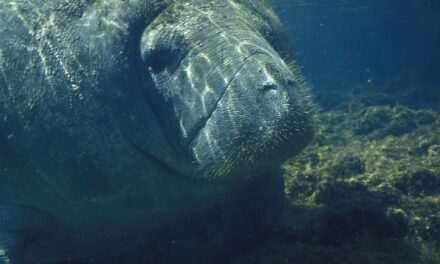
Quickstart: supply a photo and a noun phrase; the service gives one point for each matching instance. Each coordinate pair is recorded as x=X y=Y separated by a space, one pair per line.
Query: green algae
x=170 y=15
x=375 y=169
x=429 y=254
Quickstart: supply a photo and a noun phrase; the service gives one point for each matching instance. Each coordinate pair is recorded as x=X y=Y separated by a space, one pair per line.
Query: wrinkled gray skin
x=121 y=118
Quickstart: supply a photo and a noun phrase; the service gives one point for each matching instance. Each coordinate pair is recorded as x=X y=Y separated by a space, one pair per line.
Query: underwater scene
x=367 y=189
x=219 y=131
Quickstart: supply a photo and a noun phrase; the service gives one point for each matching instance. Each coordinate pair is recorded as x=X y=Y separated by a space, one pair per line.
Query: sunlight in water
x=3 y=257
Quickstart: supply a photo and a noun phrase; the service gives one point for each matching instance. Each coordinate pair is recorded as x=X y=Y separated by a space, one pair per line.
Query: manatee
x=143 y=129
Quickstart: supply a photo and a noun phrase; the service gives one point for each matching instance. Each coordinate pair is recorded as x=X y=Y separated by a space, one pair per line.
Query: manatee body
x=142 y=126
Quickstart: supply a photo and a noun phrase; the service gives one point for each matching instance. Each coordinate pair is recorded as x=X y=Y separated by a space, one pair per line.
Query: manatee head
x=222 y=79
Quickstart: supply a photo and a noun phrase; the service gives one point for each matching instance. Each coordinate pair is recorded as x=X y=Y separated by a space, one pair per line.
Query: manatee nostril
x=270 y=92
x=269 y=87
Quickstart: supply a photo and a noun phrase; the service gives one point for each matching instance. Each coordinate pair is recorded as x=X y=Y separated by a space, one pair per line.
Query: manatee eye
x=159 y=59
x=161 y=49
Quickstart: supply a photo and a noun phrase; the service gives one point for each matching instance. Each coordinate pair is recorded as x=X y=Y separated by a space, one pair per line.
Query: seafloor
x=367 y=190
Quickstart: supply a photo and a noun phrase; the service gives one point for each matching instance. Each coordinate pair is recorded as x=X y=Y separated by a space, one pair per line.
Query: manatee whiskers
x=252 y=152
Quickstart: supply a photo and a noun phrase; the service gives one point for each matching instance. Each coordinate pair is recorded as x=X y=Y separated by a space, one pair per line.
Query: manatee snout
x=265 y=90
x=231 y=106
x=260 y=121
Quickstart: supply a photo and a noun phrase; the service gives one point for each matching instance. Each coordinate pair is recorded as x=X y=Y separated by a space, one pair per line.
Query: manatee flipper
x=22 y=227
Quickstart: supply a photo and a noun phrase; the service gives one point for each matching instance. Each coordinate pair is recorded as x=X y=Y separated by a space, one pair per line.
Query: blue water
x=344 y=43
